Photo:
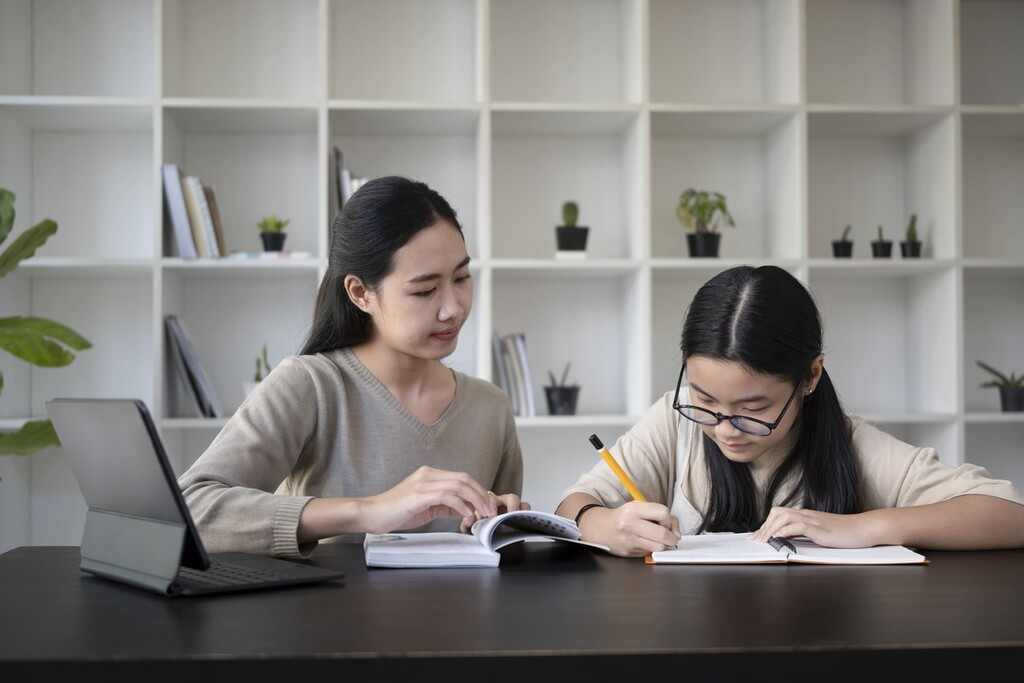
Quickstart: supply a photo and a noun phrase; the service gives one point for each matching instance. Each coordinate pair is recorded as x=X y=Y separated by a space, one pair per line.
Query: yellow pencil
x=619 y=472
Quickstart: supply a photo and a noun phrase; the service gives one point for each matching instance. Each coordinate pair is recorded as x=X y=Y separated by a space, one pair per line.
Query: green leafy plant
x=845 y=237
x=1011 y=381
x=262 y=365
x=570 y=214
x=39 y=341
x=703 y=211
x=881 y=234
x=563 y=382
x=272 y=223
x=911 y=235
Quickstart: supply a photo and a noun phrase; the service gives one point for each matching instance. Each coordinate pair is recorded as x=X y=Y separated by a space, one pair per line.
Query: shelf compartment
x=430 y=48
x=867 y=169
x=542 y=159
x=753 y=158
x=241 y=49
x=606 y=350
x=942 y=434
x=993 y=331
x=898 y=354
x=113 y=310
x=587 y=50
x=87 y=48
x=691 y=61
x=992 y=51
x=993 y=164
x=225 y=315
x=880 y=52
x=996 y=447
x=259 y=161
x=89 y=168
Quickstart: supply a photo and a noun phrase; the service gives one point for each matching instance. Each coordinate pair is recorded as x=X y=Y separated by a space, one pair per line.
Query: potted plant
x=272 y=232
x=262 y=370
x=1011 y=388
x=881 y=247
x=910 y=247
x=703 y=212
x=570 y=238
x=39 y=341
x=843 y=247
x=561 y=397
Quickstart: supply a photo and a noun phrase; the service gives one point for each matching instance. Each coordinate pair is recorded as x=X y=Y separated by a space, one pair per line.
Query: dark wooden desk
x=551 y=609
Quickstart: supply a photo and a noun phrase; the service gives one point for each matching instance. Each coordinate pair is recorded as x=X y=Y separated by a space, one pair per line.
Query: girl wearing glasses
x=367 y=430
x=757 y=440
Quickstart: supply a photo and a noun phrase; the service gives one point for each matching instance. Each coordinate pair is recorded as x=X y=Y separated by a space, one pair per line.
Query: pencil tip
x=596 y=441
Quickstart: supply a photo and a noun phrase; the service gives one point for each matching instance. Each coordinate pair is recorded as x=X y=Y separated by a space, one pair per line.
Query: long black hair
x=378 y=220
x=766 y=319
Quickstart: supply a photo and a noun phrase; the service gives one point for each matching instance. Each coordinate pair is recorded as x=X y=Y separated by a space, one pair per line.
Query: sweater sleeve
x=897 y=474
x=230 y=489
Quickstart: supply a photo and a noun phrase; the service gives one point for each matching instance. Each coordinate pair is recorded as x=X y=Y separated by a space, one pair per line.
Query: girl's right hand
x=426 y=495
x=633 y=529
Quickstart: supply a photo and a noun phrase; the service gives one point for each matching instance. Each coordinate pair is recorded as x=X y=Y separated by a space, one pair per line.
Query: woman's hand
x=427 y=494
x=504 y=503
x=633 y=529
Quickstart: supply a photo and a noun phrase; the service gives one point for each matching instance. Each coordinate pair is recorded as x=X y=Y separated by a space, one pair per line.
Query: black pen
x=779 y=543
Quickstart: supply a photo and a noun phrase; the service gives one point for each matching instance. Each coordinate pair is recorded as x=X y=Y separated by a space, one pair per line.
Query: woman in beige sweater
x=757 y=440
x=367 y=430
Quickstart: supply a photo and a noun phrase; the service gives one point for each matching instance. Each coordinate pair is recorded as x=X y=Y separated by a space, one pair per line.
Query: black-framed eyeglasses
x=748 y=425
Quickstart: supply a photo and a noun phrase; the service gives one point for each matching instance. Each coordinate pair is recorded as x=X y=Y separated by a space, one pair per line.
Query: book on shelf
x=196 y=376
x=177 y=212
x=199 y=216
x=479 y=548
x=520 y=381
x=188 y=382
x=218 y=229
x=737 y=548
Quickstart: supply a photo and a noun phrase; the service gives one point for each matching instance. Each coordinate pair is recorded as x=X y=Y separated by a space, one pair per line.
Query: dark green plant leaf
x=40 y=341
x=33 y=436
x=25 y=245
x=6 y=213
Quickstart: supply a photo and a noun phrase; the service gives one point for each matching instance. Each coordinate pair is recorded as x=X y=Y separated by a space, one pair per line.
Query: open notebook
x=138 y=529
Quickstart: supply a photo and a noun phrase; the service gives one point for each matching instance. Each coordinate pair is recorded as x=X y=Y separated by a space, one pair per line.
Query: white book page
x=433 y=549
x=721 y=548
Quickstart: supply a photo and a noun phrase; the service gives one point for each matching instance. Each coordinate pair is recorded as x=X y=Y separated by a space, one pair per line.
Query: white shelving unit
x=807 y=114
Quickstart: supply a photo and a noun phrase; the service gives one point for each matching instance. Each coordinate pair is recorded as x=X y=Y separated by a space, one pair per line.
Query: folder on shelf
x=177 y=212
x=194 y=373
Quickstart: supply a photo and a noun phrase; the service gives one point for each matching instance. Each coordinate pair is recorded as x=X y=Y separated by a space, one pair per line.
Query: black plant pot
x=881 y=249
x=273 y=241
x=1011 y=399
x=910 y=249
x=562 y=400
x=842 y=248
x=571 y=237
x=703 y=244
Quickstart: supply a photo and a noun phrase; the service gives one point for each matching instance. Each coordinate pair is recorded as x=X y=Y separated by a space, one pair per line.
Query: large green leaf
x=33 y=436
x=25 y=245
x=40 y=341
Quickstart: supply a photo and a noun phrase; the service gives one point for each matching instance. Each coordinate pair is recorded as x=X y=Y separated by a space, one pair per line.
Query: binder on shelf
x=499 y=366
x=199 y=216
x=187 y=381
x=177 y=212
x=206 y=397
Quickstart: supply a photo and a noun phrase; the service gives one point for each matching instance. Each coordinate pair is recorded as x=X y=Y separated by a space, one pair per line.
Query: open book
x=476 y=549
x=736 y=548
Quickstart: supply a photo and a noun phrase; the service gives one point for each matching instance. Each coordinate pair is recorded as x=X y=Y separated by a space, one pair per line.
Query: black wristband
x=585 y=508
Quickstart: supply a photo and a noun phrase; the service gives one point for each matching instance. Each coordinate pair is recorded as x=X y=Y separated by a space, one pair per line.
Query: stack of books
x=191 y=209
x=512 y=371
